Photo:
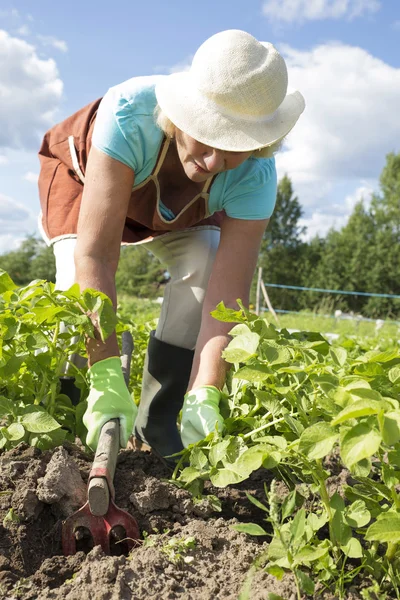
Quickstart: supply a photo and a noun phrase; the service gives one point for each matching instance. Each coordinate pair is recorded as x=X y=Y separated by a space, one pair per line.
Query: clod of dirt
x=62 y=484
x=26 y=503
x=154 y=495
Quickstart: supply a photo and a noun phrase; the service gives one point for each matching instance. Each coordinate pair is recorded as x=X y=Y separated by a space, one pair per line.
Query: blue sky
x=343 y=55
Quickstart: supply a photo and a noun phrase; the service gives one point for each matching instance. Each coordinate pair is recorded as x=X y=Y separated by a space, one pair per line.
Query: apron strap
x=74 y=158
x=162 y=157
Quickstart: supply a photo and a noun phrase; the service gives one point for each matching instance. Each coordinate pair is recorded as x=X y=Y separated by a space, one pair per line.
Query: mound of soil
x=188 y=552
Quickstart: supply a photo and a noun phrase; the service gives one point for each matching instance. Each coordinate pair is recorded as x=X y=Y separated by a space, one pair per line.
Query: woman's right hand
x=109 y=398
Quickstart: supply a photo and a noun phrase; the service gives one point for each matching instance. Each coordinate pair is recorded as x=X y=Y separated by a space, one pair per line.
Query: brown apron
x=63 y=156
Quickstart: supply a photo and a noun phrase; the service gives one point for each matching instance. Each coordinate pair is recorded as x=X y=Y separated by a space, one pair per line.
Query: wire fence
x=262 y=291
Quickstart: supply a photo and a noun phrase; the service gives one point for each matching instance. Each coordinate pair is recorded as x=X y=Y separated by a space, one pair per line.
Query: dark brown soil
x=40 y=490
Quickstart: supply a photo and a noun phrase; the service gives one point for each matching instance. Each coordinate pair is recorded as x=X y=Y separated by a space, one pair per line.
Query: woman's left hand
x=200 y=414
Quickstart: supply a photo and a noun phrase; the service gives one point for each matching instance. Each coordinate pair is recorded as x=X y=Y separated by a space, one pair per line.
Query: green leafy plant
x=39 y=328
x=291 y=402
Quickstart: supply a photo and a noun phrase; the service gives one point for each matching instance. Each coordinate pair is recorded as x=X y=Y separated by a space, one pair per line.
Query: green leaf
x=277 y=572
x=249 y=528
x=11 y=516
x=352 y=549
x=241 y=348
x=251 y=460
x=297 y=526
x=253 y=373
x=339 y=355
x=189 y=474
x=341 y=530
x=223 y=477
x=100 y=304
x=361 y=441
x=316 y=522
x=273 y=440
x=394 y=375
x=256 y=502
x=306 y=584
x=6 y=283
x=6 y=406
x=391 y=428
x=361 y=468
x=387 y=529
x=381 y=357
x=394 y=457
x=390 y=476
x=357 y=515
x=48 y=441
x=228 y=315
x=364 y=393
x=308 y=554
x=317 y=441
x=274 y=354
x=294 y=425
x=39 y=422
x=15 y=432
x=241 y=329
x=360 y=408
x=288 y=505
x=218 y=452
x=198 y=459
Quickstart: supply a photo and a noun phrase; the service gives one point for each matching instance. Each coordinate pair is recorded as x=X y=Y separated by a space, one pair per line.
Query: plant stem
x=391 y=551
x=247 y=435
x=297 y=586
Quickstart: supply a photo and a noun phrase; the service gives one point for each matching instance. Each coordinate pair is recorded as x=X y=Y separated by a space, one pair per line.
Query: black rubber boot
x=165 y=380
x=69 y=388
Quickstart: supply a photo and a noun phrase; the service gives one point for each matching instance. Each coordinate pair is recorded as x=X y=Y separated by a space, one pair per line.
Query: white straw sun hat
x=234 y=97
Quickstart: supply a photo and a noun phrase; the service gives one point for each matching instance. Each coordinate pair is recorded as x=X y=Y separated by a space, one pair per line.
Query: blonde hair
x=168 y=127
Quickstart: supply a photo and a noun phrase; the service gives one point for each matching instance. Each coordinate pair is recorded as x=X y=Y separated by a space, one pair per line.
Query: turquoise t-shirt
x=125 y=130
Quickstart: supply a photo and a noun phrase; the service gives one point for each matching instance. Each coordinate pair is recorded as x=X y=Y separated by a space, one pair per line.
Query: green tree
x=284 y=229
x=365 y=254
x=282 y=249
x=32 y=260
x=139 y=273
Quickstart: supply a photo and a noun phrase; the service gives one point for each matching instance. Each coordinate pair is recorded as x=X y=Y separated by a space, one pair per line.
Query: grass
x=142 y=310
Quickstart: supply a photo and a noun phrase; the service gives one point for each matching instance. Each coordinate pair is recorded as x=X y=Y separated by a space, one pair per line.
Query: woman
x=184 y=163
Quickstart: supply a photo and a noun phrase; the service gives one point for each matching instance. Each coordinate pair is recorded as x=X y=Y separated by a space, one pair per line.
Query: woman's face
x=201 y=162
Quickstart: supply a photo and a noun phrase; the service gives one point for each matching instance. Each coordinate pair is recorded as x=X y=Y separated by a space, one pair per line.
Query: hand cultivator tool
x=100 y=517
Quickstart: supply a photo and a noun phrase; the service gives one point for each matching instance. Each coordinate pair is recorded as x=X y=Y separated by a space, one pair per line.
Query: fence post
x=268 y=302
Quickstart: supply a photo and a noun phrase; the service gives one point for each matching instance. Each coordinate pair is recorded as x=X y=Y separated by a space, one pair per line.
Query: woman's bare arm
x=108 y=187
x=230 y=279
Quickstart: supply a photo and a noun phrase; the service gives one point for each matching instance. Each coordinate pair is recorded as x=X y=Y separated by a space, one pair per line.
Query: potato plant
x=292 y=401
x=39 y=328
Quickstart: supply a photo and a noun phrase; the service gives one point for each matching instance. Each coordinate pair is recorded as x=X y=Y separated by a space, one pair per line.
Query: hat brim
x=202 y=119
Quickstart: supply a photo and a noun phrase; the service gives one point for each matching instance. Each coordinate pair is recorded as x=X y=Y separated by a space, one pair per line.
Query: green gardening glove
x=200 y=413
x=109 y=398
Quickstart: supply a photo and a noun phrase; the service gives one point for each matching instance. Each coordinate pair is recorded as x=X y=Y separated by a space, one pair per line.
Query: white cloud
x=396 y=25
x=320 y=223
x=23 y=30
x=49 y=40
x=30 y=92
x=183 y=65
x=3 y=160
x=9 y=13
x=289 y=11
x=364 y=193
x=31 y=177
x=16 y=223
x=335 y=216
x=349 y=124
